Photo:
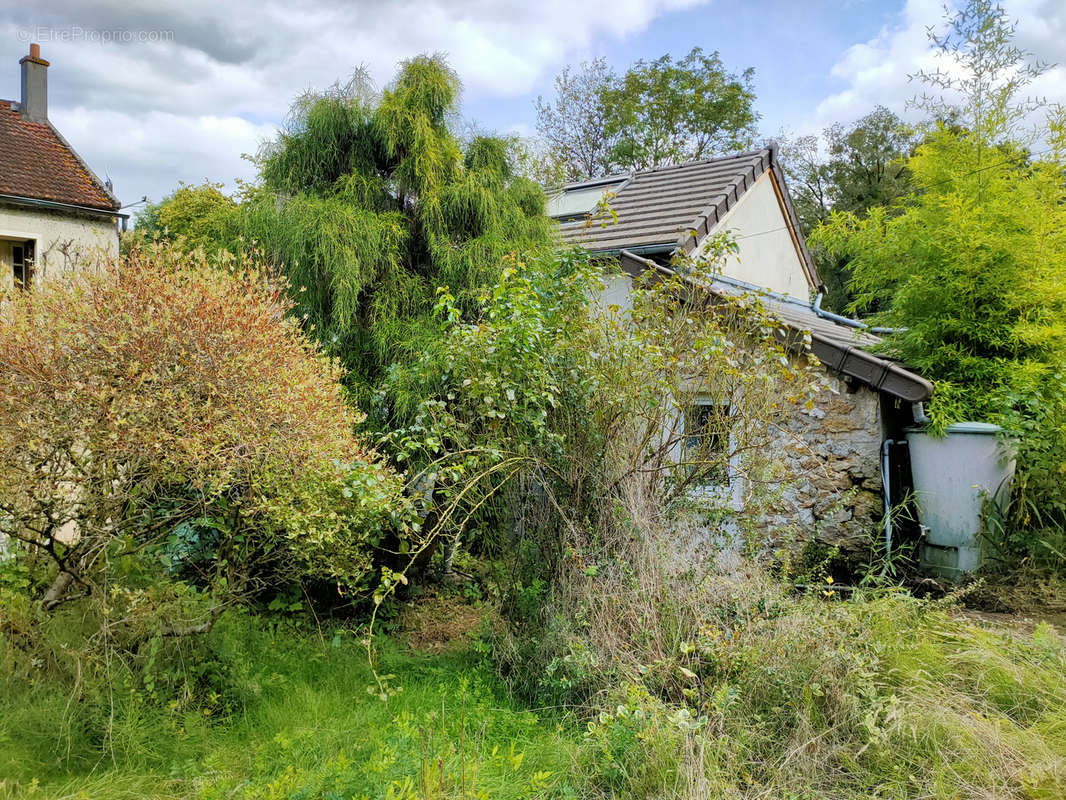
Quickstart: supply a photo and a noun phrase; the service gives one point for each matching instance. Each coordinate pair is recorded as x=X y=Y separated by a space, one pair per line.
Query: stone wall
x=833 y=458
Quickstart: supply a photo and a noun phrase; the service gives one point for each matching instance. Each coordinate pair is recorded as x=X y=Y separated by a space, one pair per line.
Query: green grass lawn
x=807 y=699
x=306 y=728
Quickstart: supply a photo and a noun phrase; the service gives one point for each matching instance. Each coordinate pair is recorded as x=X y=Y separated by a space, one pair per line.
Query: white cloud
x=162 y=146
x=876 y=72
x=213 y=77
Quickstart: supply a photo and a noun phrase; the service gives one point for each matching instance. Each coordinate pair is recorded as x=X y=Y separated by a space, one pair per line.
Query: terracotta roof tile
x=36 y=163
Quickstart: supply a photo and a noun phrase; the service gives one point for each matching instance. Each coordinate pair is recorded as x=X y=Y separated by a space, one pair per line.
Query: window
x=576 y=201
x=22 y=264
x=706 y=438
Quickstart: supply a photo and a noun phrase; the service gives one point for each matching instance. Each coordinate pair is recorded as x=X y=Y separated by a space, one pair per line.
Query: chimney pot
x=34 y=103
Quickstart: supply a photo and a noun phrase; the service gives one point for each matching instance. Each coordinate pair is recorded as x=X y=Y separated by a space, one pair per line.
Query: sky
x=154 y=93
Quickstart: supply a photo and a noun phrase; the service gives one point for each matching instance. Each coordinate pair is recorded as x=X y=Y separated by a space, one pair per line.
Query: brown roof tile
x=674 y=207
x=660 y=206
x=35 y=162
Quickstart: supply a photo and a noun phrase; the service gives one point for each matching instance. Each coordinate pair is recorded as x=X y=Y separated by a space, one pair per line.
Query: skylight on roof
x=576 y=202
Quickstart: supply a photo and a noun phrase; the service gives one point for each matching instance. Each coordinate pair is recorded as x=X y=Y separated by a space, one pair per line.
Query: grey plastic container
x=953 y=475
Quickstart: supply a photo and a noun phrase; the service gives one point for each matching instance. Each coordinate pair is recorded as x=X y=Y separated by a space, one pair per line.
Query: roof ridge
x=619 y=176
x=697 y=162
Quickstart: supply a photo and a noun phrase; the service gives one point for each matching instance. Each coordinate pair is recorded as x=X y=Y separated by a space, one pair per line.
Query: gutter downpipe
x=887 y=490
x=848 y=321
x=920 y=417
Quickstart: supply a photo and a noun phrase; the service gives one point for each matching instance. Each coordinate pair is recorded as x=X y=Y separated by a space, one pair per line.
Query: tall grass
x=289 y=716
x=692 y=679
x=709 y=679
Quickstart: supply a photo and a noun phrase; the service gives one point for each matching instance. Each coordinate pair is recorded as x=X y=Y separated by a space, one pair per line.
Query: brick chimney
x=34 y=104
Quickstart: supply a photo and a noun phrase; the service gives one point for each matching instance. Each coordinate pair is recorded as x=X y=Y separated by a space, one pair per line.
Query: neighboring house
x=55 y=214
x=849 y=447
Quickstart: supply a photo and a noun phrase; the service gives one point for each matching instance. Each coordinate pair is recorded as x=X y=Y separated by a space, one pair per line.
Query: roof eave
x=878 y=373
x=55 y=205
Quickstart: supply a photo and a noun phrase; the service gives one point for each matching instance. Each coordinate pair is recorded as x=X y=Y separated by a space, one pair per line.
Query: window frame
x=27 y=264
x=724 y=438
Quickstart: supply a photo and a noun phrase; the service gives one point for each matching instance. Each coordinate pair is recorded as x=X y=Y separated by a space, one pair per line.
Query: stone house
x=848 y=451
x=56 y=215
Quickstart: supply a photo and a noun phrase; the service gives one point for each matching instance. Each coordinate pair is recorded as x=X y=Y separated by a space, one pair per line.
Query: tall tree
x=659 y=112
x=848 y=169
x=665 y=112
x=574 y=123
x=867 y=162
x=369 y=203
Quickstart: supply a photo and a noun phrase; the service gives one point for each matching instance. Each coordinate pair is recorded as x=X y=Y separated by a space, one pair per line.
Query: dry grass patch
x=437 y=623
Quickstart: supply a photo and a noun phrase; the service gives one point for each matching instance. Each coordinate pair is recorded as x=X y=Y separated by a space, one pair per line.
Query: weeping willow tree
x=369 y=202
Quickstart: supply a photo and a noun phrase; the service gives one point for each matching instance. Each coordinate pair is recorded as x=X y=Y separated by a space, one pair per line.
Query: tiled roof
x=847 y=350
x=800 y=315
x=36 y=163
x=838 y=346
x=660 y=206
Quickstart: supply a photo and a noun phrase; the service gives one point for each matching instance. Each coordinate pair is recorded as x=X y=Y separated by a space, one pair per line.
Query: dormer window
x=578 y=200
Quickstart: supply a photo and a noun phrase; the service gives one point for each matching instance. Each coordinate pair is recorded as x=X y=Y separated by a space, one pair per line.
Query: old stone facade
x=833 y=492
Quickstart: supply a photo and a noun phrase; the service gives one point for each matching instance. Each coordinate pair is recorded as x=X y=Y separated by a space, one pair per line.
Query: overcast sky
x=153 y=93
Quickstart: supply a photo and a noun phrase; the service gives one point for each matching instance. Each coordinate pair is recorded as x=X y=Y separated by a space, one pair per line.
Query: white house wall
x=767 y=254
x=616 y=292
x=62 y=242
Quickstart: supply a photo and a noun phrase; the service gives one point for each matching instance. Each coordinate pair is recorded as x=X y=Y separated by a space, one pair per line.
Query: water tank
x=953 y=476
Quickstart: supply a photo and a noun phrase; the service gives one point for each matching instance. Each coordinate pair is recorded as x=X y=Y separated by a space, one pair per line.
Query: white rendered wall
x=62 y=242
x=616 y=290
x=767 y=255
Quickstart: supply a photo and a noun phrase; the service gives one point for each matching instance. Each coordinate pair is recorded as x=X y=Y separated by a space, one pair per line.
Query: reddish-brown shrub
x=164 y=392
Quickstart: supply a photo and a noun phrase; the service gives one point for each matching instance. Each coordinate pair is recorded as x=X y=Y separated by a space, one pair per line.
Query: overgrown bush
x=194 y=217
x=704 y=677
x=171 y=444
x=547 y=428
